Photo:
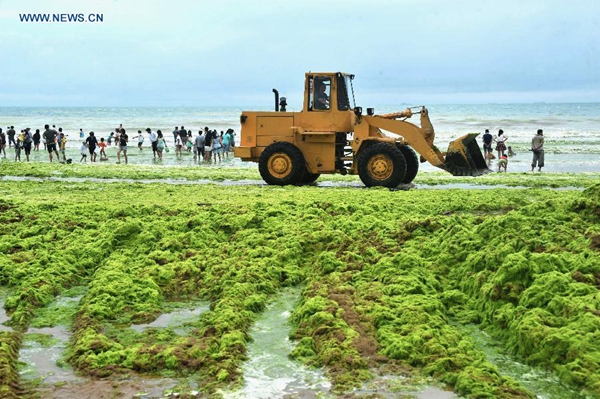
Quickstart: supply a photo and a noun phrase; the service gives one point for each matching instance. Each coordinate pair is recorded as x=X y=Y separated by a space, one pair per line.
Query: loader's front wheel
x=381 y=164
x=281 y=163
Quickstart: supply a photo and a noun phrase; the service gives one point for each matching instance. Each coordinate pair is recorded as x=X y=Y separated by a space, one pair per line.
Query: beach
x=571 y=130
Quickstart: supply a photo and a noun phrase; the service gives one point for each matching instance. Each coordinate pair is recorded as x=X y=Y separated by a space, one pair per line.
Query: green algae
x=45 y=340
x=236 y=173
x=536 y=180
x=543 y=383
x=383 y=274
x=9 y=355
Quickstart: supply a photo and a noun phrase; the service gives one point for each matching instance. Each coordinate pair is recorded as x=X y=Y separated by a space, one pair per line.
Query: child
x=502 y=163
x=510 y=152
x=102 y=146
x=140 y=139
x=84 y=151
x=63 y=147
x=19 y=145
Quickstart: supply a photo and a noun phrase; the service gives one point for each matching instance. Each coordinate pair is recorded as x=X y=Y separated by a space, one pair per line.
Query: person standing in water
x=153 y=140
x=63 y=147
x=10 y=133
x=27 y=142
x=487 y=144
x=140 y=138
x=161 y=144
x=500 y=140
x=123 y=139
x=102 y=146
x=50 y=137
x=37 y=137
x=92 y=143
x=537 y=146
x=2 y=143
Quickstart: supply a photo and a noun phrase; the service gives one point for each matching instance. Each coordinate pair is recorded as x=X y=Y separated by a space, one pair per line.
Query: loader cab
x=327 y=106
x=327 y=92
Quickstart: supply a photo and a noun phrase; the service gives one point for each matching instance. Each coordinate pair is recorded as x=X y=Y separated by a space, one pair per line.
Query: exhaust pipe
x=464 y=157
x=276 y=100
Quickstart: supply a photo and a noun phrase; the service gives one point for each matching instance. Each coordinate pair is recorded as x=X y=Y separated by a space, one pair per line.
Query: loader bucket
x=464 y=157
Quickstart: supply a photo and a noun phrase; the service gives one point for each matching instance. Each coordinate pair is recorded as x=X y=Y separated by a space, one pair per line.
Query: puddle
x=469 y=186
x=3 y=316
x=269 y=373
x=42 y=361
x=175 y=319
x=322 y=183
x=397 y=386
x=541 y=383
x=135 y=387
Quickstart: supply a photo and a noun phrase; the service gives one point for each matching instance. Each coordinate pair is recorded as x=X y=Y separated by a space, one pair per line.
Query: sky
x=230 y=52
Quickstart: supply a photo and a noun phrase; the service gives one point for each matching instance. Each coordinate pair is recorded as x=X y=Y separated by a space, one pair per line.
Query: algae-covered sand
x=387 y=279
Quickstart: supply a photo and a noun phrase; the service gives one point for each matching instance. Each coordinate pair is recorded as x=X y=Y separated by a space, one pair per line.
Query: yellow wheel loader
x=331 y=135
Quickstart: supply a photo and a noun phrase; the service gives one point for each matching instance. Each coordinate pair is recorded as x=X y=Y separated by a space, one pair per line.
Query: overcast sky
x=228 y=52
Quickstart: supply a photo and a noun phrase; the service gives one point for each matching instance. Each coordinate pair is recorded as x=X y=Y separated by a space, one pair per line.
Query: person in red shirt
x=102 y=146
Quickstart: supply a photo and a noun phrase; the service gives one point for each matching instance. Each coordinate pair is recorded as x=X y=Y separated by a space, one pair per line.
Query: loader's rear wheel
x=281 y=163
x=412 y=163
x=309 y=178
x=381 y=164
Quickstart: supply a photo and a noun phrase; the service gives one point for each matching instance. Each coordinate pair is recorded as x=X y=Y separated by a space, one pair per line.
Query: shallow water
x=543 y=384
x=319 y=184
x=269 y=372
x=175 y=319
x=42 y=362
x=3 y=316
x=397 y=386
x=467 y=186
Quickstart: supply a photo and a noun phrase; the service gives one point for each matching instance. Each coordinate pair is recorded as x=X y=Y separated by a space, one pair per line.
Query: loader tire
x=381 y=164
x=412 y=163
x=281 y=164
x=309 y=178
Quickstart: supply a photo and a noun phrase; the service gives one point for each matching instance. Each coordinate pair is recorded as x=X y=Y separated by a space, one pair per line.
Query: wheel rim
x=280 y=165
x=380 y=167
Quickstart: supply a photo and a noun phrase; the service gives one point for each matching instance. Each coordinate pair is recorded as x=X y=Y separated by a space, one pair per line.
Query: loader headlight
x=370 y=111
x=358 y=111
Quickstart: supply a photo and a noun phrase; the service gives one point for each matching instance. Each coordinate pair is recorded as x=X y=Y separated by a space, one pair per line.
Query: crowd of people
x=504 y=151
x=207 y=145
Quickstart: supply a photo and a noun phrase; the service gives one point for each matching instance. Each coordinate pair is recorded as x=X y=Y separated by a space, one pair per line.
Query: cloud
x=214 y=52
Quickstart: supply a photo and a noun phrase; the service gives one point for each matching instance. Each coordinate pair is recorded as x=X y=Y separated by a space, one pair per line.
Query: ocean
x=572 y=131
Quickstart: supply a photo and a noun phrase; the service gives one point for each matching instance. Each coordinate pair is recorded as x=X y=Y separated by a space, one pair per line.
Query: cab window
x=320 y=92
x=343 y=102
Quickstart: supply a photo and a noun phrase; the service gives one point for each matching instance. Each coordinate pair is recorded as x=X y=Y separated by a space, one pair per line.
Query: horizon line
x=270 y=106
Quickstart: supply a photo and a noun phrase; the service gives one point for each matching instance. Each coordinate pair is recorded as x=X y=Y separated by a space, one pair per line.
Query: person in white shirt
x=140 y=139
x=178 y=145
x=84 y=151
x=501 y=140
x=153 y=140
